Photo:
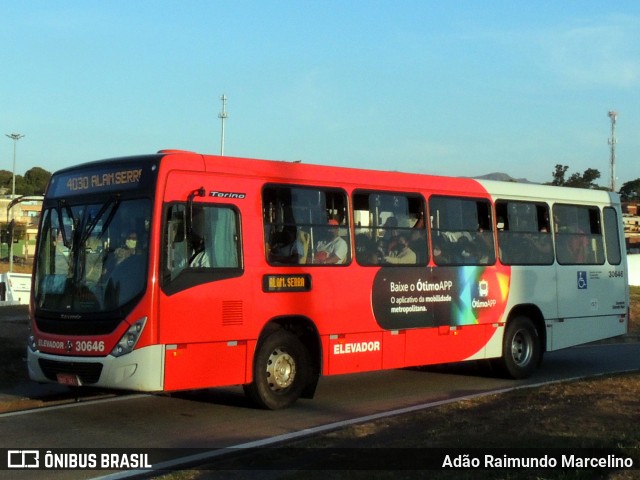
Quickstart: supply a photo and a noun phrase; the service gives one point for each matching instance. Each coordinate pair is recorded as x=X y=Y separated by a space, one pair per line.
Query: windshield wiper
x=112 y=213
x=94 y=221
x=63 y=205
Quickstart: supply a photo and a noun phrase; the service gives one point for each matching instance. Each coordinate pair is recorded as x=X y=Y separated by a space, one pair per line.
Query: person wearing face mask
x=129 y=248
x=403 y=254
x=123 y=271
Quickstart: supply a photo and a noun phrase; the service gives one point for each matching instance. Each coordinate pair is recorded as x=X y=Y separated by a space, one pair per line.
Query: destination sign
x=103 y=178
x=286 y=283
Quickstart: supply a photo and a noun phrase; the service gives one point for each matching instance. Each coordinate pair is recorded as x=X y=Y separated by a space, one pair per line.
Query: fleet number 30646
x=89 y=346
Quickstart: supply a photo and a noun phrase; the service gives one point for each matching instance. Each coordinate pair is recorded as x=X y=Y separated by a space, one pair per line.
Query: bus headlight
x=129 y=339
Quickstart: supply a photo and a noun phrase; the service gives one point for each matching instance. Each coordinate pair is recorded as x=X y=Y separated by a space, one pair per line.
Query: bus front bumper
x=140 y=370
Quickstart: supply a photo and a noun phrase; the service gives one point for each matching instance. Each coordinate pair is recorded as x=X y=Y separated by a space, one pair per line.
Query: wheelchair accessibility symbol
x=582 y=280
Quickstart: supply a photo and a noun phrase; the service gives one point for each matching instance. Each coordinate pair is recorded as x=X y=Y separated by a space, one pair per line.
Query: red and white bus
x=181 y=271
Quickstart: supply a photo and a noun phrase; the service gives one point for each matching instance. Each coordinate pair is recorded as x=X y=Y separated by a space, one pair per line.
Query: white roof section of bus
x=549 y=193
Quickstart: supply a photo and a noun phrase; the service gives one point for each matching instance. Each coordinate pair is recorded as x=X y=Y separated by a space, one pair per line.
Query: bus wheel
x=280 y=371
x=522 y=351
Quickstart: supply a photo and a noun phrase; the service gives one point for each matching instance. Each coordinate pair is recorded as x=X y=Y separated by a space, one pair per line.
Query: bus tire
x=521 y=352
x=280 y=371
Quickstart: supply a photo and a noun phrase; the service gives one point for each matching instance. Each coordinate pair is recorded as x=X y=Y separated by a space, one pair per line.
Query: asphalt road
x=218 y=418
x=223 y=418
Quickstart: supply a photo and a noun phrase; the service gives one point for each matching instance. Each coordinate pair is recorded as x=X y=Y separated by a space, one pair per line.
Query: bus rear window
x=612 y=239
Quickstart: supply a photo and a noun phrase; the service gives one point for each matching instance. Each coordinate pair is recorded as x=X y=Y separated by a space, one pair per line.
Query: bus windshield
x=92 y=257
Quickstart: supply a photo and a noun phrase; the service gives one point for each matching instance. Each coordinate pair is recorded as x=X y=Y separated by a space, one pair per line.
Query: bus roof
x=286 y=172
x=550 y=193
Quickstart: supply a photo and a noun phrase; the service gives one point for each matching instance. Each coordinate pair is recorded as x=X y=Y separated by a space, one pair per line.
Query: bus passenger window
x=578 y=235
x=390 y=228
x=612 y=238
x=305 y=225
x=524 y=233
x=462 y=231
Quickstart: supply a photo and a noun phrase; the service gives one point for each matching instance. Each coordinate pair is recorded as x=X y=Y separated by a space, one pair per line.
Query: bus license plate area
x=68 y=379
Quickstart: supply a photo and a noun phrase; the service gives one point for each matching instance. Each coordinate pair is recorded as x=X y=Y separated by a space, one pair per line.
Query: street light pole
x=612 y=142
x=15 y=137
x=223 y=116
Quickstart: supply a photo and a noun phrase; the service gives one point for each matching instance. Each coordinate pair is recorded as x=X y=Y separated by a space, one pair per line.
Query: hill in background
x=502 y=177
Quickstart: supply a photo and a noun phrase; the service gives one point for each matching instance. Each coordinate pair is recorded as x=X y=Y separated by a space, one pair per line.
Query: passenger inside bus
x=200 y=256
x=334 y=250
x=467 y=251
x=443 y=250
x=284 y=248
x=418 y=240
x=124 y=270
x=402 y=254
x=129 y=248
x=390 y=235
x=366 y=248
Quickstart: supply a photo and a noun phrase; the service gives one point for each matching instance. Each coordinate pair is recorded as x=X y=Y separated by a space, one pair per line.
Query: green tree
x=586 y=180
x=5 y=179
x=36 y=180
x=630 y=191
x=22 y=188
x=558 y=175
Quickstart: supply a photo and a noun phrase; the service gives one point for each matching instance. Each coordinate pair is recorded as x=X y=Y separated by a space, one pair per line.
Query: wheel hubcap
x=521 y=348
x=281 y=370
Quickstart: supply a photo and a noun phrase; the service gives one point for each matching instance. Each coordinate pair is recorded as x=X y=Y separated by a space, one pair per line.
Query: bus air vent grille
x=87 y=372
x=232 y=313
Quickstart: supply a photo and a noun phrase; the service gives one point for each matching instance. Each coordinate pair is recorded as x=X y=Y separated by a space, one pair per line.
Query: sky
x=461 y=88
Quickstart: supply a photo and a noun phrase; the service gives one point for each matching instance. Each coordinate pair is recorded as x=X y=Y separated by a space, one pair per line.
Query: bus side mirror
x=200 y=192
